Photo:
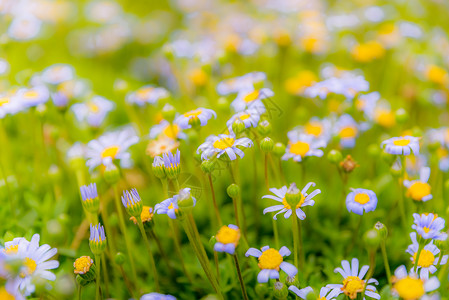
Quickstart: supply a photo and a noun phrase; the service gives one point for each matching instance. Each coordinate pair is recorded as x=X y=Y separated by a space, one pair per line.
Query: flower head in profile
x=401 y=145
x=146 y=95
x=270 y=261
x=197 y=117
x=429 y=226
x=227 y=239
x=223 y=144
x=353 y=283
x=303 y=145
x=170 y=206
x=361 y=200
x=172 y=164
x=132 y=202
x=146 y=215
x=82 y=265
x=419 y=190
x=427 y=258
x=111 y=146
x=97 y=239
x=409 y=286
x=33 y=96
x=298 y=199
x=89 y=196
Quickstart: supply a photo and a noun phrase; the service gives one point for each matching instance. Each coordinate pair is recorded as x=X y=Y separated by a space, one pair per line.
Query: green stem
x=301 y=247
x=440 y=258
x=267 y=184
x=239 y=273
x=214 y=200
x=401 y=199
x=386 y=263
x=174 y=229
x=98 y=278
x=217 y=266
x=295 y=234
x=276 y=233
x=236 y=211
x=418 y=253
x=150 y=253
x=79 y=291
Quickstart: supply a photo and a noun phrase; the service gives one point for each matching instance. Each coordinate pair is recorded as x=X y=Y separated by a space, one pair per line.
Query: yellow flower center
x=313 y=128
x=244 y=116
x=171 y=206
x=348 y=132
x=426 y=258
x=321 y=298
x=270 y=259
x=437 y=74
x=288 y=206
x=4 y=295
x=110 y=151
x=361 y=198
x=144 y=93
x=409 y=288
x=171 y=131
x=198 y=77
x=223 y=143
x=418 y=190
x=368 y=51
x=299 y=148
x=385 y=118
x=193 y=113
x=352 y=285
x=426 y=229
x=251 y=96
x=11 y=249
x=228 y=235
x=401 y=142
x=30 y=266
x=93 y=107
x=4 y=100
x=82 y=265
x=31 y=94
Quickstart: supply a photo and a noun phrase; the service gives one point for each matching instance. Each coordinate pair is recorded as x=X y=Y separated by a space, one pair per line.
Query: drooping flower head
x=401 y=145
x=353 y=283
x=409 y=286
x=89 y=195
x=197 y=117
x=170 y=206
x=299 y=199
x=361 y=200
x=270 y=261
x=429 y=226
x=419 y=190
x=227 y=239
x=223 y=144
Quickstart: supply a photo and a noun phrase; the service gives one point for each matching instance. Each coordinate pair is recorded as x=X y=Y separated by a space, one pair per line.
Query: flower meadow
x=194 y=149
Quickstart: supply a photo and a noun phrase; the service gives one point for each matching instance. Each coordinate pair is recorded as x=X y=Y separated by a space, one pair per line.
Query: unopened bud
x=233 y=190
x=266 y=145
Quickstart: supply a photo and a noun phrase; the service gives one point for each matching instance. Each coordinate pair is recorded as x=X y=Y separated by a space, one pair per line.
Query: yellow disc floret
x=401 y=142
x=29 y=267
x=352 y=285
x=348 y=132
x=426 y=258
x=299 y=148
x=418 y=190
x=361 y=198
x=409 y=288
x=227 y=235
x=110 y=151
x=224 y=143
x=314 y=128
x=250 y=97
x=82 y=264
x=270 y=259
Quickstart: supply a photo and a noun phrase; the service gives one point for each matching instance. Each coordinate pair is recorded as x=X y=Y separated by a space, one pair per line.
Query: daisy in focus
x=170 y=206
x=285 y=207
x=270 y=261
x=429 y=226
x=227 y=239
x=224 y=144
x=419 y=190
x=401 y=145
x=353 y=283
x=361 y=200
x=196 y=118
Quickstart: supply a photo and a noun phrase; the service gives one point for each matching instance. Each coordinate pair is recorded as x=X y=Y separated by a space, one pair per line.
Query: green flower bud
x=212 y=241
x=382 y=230
x=238 y=126
x=233 y=190
x=372 y=239
x=169 y=112
x=443 y=245
x=388 y=158
x=264 y=128
x=401 y=116
x=119 y=258
x=311 y=296
x=261 y=290
x=85 y=268
x=185 y=202
x=279 y=149
x=293 y=195
x=396 y=170
x=266 y=145
x=335 y=156
x=280 y=290
x=207 y=166
x=291 y=280
x=111 y=174
x=158 y=167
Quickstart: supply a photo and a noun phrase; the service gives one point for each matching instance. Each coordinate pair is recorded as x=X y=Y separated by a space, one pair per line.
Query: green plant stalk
x=217 y=266
x=440 y=258
x=301 y=247
x=295 y=233
x=214 y=200
x=239 y=273
x=383 y=249
x=372 y=265
x=124 y=232
x=106 y=276
x=174 y=229
x=275 y=232
x=98 y=278
x=401 y=199
x=150 y=253
x=418 y=253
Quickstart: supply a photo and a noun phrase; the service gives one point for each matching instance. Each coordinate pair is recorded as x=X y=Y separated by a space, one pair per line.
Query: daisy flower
x=270 y=261
x=224 y=144
x=409 y=287
x=251 y=98
x=249 y=117
x=401 y=145
x=111 y=146
x=419 y=190
x=161 y=145
x=348 y=130
x=227 y=239
x=82 y=265
x=57 y=73
x=147 y=95
x=170 y=206
x=195 y=117
x=9 y=104
x=325 y=293
x=348 y=85
x=367 y=102
x=157 y=296
x=427 y=257
x=429 y=226
x=24 y=27
x=167 y=130
x=146 y=215
x=33 y=96
x=360 y=200
x=93 y=111
x=285 y=207
x=303 y=145
x=234 y=85
x=353 y=282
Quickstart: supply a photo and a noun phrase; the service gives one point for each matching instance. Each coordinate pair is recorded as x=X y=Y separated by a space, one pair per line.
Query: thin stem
x=150 y=253
x=106 y=276
x=372 y=265
x=124 y=232
x=386 y=263
x=239 y=273
x=79 y=291
x=301 y=247
x=276 y=233
x=98 y=278
x=217 y=266
x=214 y=200
x=418 y=253
x=401 y=186
x=295 y=234
x=236 y=211
x=174 y=229
x=267 y=184
x=440 y=258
